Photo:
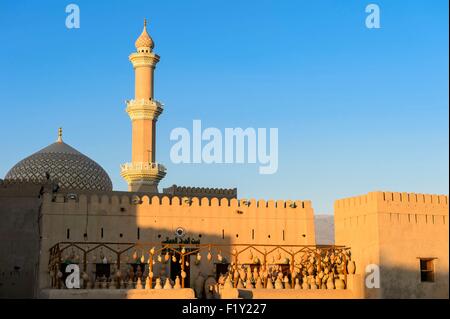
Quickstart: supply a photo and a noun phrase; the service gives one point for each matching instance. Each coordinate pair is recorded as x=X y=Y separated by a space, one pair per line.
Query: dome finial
x=144 y=42
x=60 y=135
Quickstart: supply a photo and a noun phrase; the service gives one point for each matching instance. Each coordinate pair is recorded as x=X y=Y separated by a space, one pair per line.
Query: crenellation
x=396 y=197
x=125 y=201
x=206 y=202
x=165 y=201
x=195 y=202
x=115 y=201
x=224 y=202
x=120 y=202
x=82 y=201
x=200 y=192
x=280 y=204
x=145 y=200
x=94 y=199
x=155 y=200
x=142 y=205
x=261 y=203
x=105 y=201
x=393 y=200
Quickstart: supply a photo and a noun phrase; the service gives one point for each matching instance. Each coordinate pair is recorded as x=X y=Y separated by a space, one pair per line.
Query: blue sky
x=357 y=109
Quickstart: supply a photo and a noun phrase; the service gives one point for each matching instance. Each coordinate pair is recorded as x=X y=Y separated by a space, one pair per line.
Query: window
x=426 y=269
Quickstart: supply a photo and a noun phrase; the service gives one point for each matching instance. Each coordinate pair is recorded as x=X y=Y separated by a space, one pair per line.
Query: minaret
x=143 y=173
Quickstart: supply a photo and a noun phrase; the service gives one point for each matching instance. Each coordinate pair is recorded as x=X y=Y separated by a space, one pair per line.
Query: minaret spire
x=143 y=173
x=60 y=135
x=144 y=43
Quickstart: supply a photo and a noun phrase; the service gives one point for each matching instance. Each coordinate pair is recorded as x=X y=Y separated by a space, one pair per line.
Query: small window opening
x=426 y=270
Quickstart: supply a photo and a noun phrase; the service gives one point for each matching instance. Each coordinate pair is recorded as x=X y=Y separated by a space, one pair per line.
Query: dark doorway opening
x=102 y=270
x=175 y=269
x=221 y=269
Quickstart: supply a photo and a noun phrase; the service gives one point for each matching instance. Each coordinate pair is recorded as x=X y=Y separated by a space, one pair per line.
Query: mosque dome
x=61 y=163
x=144 y=40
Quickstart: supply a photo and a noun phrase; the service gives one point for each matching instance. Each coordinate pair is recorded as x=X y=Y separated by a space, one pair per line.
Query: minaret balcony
x=143 y=59
x=142 y=170
x=144 y=109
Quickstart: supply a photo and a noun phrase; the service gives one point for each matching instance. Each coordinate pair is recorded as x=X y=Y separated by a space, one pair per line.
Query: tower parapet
x=183 y=191
x=396 y=232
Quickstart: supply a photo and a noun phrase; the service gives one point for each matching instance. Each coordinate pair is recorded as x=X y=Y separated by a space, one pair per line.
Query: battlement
x=392 y=198
x=392 y=208
x=163 y=200
x=183 y=191
x=223 y=219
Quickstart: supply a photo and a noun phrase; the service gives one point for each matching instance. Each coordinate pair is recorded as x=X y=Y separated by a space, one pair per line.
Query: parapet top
x=397 y=198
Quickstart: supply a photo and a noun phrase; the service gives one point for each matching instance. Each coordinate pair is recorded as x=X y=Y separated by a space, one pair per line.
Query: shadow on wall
x=397 y=282
x=28 y=228
x=181 y=260
x=19 y=241
x=105 y=225
x=188 y=260
x=139 y=219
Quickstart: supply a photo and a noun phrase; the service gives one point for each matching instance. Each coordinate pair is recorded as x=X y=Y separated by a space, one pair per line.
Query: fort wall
x=243 y=221
x=155 y=219
x=394 y=230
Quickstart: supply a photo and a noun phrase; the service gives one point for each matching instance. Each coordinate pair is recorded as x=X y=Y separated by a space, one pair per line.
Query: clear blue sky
x=357 y=109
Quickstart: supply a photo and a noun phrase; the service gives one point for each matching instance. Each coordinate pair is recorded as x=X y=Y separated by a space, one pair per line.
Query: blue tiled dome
x=64 y=165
